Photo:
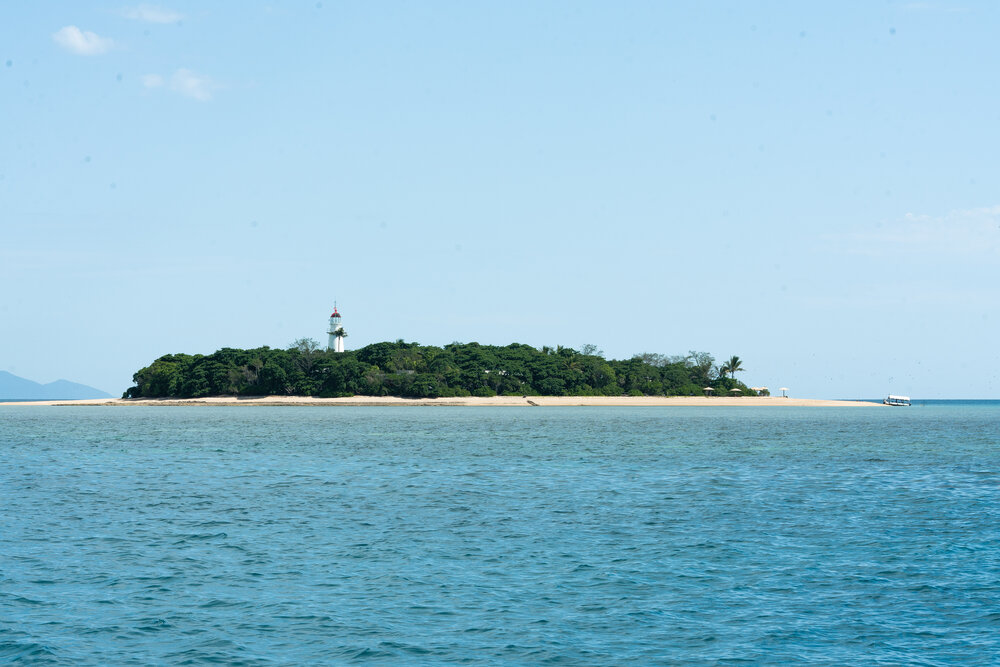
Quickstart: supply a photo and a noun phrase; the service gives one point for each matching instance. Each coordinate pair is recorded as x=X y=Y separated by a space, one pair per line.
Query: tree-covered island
x=411 y=370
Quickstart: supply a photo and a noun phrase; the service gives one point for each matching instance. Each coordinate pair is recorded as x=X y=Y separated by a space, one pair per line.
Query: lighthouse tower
x=336 y=332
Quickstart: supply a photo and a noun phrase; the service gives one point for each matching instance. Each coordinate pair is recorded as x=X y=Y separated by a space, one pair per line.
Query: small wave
x=150 y=625
x=404 y=648
x=198 y=656
x=23 y=600
x=31 y=652
x=211 y=524
x=200 y=537
x=212 y=604
x=367 y=653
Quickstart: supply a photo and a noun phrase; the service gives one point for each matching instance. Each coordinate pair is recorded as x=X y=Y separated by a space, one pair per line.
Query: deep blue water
x=262 y=536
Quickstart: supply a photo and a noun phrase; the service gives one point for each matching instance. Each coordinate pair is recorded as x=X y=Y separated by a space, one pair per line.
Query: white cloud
x=964 y=232
x=81 y=42
x=184 y=82
x=934 y=7
x=191 y=84
x=152 y=14
x=151 y=80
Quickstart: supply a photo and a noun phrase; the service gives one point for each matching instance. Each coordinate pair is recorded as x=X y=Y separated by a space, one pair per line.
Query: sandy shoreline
x=541 y=401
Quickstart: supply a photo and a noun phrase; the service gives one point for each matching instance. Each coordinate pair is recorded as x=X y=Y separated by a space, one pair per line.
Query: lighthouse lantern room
x=336 y=332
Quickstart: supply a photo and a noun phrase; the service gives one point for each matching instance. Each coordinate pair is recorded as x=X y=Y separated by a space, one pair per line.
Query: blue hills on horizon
x=17 y=388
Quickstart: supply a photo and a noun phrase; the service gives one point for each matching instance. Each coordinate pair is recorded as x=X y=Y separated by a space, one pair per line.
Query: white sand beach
x=540 y=401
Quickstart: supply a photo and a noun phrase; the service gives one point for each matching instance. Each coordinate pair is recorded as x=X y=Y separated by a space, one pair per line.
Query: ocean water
x=305 y=535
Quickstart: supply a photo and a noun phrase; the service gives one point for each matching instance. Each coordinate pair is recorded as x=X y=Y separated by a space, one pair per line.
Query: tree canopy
x=425 y=371
x=732 y=367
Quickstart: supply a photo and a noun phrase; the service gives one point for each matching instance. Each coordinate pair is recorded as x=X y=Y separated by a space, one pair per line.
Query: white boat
x=896 y=400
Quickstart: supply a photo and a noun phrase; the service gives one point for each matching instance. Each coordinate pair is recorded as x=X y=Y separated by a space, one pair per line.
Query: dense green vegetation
x=419 y=371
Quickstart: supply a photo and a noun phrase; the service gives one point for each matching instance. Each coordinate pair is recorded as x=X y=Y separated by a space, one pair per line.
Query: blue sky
x=810 y=186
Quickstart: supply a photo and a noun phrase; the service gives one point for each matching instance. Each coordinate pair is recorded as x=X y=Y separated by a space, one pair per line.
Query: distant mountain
x=13 y=387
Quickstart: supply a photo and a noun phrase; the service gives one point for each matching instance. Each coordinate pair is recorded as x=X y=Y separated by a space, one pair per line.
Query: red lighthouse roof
x=334 y=313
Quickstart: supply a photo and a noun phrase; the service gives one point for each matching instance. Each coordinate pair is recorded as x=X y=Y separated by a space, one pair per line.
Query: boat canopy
x=899 y=398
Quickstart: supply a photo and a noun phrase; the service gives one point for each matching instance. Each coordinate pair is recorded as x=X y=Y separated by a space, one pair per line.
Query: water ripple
x=261 y=536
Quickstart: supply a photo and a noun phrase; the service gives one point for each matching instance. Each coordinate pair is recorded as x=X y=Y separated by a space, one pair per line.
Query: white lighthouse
x=336 y=332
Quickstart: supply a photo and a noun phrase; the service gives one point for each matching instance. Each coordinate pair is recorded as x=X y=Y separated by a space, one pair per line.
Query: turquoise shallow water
x=262 y=536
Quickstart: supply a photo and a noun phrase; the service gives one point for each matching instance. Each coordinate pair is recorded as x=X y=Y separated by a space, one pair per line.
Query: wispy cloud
x=934 y=7
x=191 y=84
x=966 y=232
x=151 y=80
x=184 y=82
x=152 y=14
x=81 y=42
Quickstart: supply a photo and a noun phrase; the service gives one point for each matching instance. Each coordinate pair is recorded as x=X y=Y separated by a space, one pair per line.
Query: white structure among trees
x=336 y=332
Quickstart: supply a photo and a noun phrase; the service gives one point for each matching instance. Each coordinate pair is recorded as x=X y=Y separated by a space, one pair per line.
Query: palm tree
x=340 y=332
x=733 y=366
